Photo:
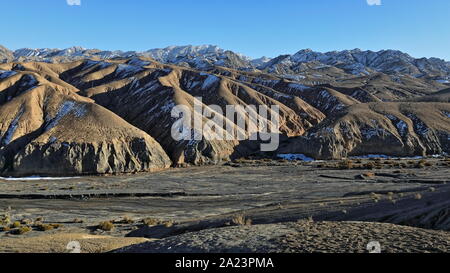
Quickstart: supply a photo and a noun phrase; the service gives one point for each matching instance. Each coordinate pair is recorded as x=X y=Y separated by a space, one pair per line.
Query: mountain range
x=356 y=62
x=78 y=111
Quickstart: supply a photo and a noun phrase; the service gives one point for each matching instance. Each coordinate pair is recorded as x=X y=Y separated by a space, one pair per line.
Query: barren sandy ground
x=207 y=198
x=60 y=243
x=301 y=237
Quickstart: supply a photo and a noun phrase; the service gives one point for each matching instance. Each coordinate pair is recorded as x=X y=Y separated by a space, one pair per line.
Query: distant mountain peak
x=203 y=57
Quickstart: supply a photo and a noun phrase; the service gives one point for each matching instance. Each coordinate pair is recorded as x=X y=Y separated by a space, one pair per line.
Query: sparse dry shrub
x=241 y=220
x=56 y=226
x=420 y=165
x=346 y=165
x=391 y=198
x=16 y=224
x=5 y=220
x=169 y=224
x=106 y=226
x=375 y=197
x=240 y=160
x=309 y=220
x=5 y=229
x=424 y=163
x=151 y=222
x=26 y=221
x=369 y=174
x=44 y=227
x=126 y=220
x=21 y=230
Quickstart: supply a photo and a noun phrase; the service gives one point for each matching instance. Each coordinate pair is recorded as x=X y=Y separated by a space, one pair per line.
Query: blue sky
x=252 y=27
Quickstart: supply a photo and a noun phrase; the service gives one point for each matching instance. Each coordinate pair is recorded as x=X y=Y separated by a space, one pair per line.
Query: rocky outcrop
x=108 y=157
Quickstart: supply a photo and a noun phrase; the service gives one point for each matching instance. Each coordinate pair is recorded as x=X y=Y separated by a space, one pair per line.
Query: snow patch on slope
x=209 y=81
x=7 y=138
x=66 y=108
x=6 y=74
x=293 y=157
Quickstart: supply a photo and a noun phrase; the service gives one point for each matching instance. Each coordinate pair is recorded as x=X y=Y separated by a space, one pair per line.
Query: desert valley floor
x=244 y=206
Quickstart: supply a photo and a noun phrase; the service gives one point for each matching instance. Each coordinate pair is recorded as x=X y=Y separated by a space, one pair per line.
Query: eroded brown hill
x=395 y=129
x=144 y=92
x=92 y=116
x=47 y=129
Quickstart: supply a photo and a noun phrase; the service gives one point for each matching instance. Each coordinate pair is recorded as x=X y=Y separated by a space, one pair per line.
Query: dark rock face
x=117 y=156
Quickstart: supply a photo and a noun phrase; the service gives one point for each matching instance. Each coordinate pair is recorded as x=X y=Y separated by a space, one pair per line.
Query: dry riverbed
x=202 y=199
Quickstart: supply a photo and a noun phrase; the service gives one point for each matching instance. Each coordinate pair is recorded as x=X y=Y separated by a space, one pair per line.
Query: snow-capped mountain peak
x=203 y=57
